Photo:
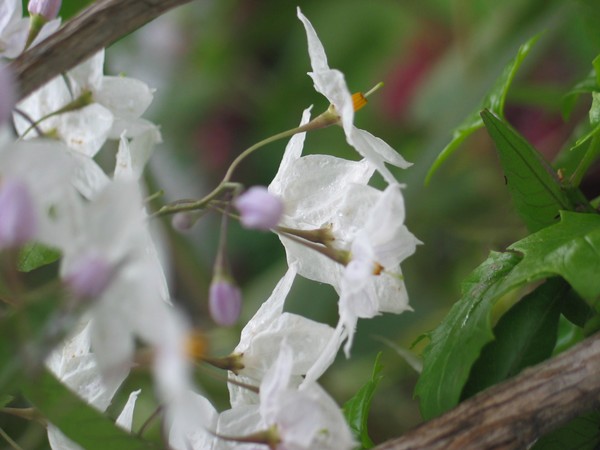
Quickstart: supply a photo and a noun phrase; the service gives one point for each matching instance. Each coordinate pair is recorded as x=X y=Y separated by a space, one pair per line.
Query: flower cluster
x=336 y=229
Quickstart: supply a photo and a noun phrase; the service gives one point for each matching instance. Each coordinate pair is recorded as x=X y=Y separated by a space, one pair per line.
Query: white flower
x=328 y=193
x=332 y=84
x=113 y=105
x=261 y=338
x=14 y=28
x=112 y=227
x=304 y=418
x=74 y=365
x=45 y=170
x=193 y=424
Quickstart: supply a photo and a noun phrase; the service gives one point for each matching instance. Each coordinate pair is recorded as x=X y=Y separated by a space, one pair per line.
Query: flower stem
x=588 y=159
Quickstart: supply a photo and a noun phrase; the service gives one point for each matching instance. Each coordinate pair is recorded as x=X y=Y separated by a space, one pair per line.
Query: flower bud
x=224 y=302
x=259 y=209
x=18 y=222
x=7 y=93
x=47 y=9
x=182 y=221
x=90 y=276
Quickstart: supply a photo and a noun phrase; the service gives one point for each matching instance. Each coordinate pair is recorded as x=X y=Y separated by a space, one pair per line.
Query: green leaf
x=35 y=255
x=582 y=433
x=76 y=419
x=570 y=249
x=23 y=336
x=356 y=410
x=5 y=399
x=524 y=336
x=457 y=341
x=493 y=101
x=533 y=184
x=569 y=334
x=588 y=85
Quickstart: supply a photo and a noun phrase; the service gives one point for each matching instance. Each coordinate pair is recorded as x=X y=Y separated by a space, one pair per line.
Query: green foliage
x=456 y=342
x=356 y=410
x=494 y=101
x=570 y=249
x=533 y=184
x=588 y=85
x=582 y=433
x=76 y=419
x=34 y=255
x=25 y=336
x=524 y=336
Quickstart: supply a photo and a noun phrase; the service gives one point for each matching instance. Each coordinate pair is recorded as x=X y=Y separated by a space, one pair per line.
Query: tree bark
x=98 y=26
x=513 y=414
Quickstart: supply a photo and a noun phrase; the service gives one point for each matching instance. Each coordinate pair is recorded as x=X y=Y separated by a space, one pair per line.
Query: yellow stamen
x=358 y=100
x=196 y=345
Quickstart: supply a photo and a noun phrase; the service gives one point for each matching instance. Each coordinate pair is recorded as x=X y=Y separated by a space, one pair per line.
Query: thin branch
x=98 y=26
x=513 y=414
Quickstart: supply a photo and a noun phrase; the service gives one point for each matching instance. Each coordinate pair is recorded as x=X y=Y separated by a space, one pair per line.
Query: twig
x=98 y=26
x=515 y=413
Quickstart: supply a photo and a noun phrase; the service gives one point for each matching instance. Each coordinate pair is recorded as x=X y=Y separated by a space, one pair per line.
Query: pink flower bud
x=18 y=221
x=224 y=302
x=182 y=221
x=259 y=209
x=48 y=9
x=90 y=276
x=7 y=93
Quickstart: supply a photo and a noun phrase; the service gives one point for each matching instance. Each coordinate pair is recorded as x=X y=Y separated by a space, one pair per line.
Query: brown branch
x=98 y=26
x=513 y=414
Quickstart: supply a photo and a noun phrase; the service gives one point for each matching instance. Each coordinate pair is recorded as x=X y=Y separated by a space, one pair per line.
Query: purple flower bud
x=48 y=9
x=90 y=276
x=259 y=209
x=224 y=302
x=18 y=221
x=7 y=93
x=182 y=221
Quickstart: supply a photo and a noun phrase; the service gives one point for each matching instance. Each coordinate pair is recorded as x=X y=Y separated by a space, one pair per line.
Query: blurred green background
x=229 y=73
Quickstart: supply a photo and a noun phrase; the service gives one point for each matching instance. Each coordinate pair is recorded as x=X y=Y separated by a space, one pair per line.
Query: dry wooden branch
x=513 y=414
x=98 y=26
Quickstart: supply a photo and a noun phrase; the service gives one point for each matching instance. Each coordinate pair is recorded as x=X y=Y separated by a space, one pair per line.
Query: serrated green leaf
x=523 y=337
x=533 y=184
x=34 y=255
x=570 y=249
x=581 y=433
x=356 y=410
x=494 y=101
x=76 y=419
x=457 y=341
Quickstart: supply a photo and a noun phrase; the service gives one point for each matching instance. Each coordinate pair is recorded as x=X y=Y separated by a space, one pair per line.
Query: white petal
x=125 y=419
x=88 y=75
x=318 y=58
x=329 y=82
x=125 y=97
x=193 y=423
x=293 y=151
x=376 y=151
x=85 y=130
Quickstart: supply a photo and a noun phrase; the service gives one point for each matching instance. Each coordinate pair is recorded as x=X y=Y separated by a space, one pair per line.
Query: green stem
x=10 y=440
x=252 y=149
x=192 y=205
x=80 y=102
x=592 y=153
